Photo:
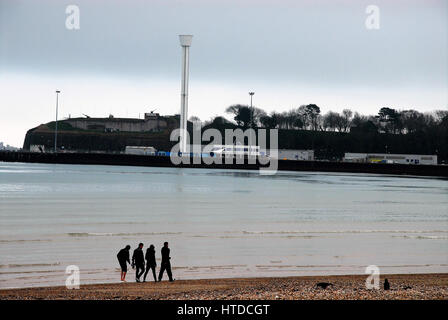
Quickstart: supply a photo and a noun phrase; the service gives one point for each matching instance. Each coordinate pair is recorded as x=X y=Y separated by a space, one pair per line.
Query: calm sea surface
x=218 y=223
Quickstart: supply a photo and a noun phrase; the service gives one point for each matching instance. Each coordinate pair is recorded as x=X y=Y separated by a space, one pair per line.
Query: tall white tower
x=185 y=42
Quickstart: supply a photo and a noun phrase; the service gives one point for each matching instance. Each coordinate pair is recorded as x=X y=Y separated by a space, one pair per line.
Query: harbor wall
x=164 y=161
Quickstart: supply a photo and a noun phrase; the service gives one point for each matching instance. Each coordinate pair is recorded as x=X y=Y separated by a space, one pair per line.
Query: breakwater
x=164 y=161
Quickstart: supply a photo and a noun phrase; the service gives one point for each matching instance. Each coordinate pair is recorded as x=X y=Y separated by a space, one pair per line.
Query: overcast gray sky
x=125 y=58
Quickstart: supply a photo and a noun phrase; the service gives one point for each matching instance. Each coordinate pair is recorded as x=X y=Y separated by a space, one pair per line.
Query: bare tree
x=347 y=115
x=330 y=120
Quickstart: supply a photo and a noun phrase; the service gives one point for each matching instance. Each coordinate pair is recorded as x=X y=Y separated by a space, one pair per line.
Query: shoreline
x=437 y=171
x=344 y=287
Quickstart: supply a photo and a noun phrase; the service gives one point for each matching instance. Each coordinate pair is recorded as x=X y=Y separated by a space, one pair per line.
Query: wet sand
x=352 y=287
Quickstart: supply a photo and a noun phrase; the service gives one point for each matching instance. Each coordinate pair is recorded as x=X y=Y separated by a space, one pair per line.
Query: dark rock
x=386 y=284
x=323 y=285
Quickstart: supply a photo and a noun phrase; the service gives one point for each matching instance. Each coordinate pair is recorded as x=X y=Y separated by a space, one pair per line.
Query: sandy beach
x=352 y=287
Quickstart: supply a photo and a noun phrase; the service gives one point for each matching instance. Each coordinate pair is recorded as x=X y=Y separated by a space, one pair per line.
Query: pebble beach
x=351 y=287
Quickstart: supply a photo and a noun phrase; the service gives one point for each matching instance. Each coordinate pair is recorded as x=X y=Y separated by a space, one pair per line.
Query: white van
x=235 y=150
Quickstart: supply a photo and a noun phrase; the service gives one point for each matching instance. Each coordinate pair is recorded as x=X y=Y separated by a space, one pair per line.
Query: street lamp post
x=56 y=123
x=251 y=108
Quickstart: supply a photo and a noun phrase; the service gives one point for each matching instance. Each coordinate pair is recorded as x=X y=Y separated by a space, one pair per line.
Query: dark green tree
x=389 y=119
x=242 y=114
x=310 y=114
x=246 y=116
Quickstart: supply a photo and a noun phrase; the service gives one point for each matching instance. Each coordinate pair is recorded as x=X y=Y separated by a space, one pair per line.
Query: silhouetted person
x=139 y=262
x=150 y=257
x=166 y=264
x=386 y=284
x=123 y=259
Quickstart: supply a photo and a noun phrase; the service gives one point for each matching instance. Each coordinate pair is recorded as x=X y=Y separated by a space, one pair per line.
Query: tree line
x=309 y=117
x=333 y=133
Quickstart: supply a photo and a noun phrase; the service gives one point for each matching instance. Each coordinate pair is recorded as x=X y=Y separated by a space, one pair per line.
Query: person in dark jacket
x=123 y=260
x=138 y=261
x=165 y=264
x=150 y=257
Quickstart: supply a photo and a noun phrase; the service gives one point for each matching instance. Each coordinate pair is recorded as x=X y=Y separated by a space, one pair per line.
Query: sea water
x=219 y=223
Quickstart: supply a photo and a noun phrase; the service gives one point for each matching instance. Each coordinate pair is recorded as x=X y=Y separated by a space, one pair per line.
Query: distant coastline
x=284 y=165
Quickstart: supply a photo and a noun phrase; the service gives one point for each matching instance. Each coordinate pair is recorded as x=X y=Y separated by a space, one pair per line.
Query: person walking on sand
x=165 y=264
x=123 y=260
x=138 y=261
x=150 y=257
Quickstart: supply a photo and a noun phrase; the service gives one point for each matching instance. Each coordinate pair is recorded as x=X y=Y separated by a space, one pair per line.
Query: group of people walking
x=138 y=262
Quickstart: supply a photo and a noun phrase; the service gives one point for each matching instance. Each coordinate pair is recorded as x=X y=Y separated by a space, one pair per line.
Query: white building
x=290 y=154
x=37 y=148
x=143 y=151
x=390 y=158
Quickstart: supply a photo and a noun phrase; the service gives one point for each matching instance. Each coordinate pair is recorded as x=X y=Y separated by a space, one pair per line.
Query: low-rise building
x=390 y=158
x=290 y=154
x=151 y=122
x=37 y=148
x=144 y=151
x=7 y=147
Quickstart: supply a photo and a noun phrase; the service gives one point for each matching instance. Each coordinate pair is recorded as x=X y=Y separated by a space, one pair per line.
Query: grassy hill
x=327 y=145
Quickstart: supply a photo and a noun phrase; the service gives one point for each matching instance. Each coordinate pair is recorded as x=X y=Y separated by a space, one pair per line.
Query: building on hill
x=152 y=122
x=104 y=135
